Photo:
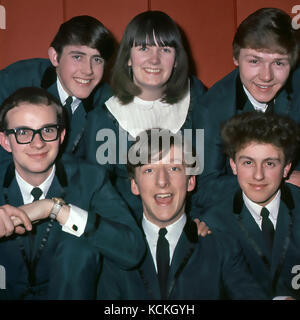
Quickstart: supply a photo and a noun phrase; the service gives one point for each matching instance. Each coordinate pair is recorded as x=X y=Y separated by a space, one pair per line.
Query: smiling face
x=79 y=69
x=263 y=73
x=33 y=161
x=152 y=66
x=163 y=186
x=260 y=169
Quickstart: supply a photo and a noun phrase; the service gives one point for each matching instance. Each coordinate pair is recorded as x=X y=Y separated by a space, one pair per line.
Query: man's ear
x=235 y=61
x=233 y=166
x=53 y=56
x=191 y=183
x=4 y=142
x=287 y=169
x=134 y=187
x=62 y=136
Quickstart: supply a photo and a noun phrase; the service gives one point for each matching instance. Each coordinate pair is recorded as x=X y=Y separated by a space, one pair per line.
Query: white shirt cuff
x=76 y=222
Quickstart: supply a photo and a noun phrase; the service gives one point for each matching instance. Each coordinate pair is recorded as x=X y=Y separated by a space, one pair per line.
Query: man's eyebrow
x=83 y=53
x=266 y=159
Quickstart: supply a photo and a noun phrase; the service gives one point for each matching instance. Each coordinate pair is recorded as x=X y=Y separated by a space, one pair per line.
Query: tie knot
x=264 y=212
x=162 y=232
x=36 y=193
x=68 y=101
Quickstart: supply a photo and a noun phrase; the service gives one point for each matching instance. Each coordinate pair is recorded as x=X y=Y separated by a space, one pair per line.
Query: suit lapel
x=12 y=192
x=182 y=254
x=249 y=229
x=283 y=231
x=148 y=275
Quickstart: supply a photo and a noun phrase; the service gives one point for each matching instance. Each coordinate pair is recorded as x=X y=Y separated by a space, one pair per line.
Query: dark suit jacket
x=101 y=118
x=272 y=271
x=41 y=73
x=201 y=268
x=110 y=228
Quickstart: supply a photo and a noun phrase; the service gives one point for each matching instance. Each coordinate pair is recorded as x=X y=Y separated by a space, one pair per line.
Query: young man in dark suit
x=178 y=264
x=91 y=215
x=73 y=72
x=265 y=52
x=262 y=210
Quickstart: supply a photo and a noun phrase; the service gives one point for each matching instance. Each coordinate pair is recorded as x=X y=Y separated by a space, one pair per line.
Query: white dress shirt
x=64 y=96
x=174 y=232
x=255 y=209
x=256 y=104
x=77 y=217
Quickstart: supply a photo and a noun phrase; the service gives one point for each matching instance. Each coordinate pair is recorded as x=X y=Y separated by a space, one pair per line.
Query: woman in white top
x=152 y=89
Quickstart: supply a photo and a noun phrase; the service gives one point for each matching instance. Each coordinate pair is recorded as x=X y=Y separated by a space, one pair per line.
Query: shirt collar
x=174 y=230
x=255 y=208
x=63 y=96
x=257 y=105
x=26 y=187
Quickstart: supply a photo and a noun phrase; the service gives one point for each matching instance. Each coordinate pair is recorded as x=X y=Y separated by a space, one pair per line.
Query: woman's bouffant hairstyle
x=267 y=29
x=150 y=28
x=84 y=31
x=256 y=126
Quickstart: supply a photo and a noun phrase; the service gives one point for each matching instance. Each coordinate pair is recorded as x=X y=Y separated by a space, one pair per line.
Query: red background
x=209 y=26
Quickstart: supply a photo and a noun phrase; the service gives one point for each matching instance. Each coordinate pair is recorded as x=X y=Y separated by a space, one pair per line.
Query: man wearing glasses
x=32 y=129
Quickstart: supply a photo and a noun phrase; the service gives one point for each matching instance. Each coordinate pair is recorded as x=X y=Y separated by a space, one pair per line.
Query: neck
x=35 y=179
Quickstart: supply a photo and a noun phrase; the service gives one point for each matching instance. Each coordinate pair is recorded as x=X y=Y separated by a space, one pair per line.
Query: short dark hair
x=153 y=144
x=256 y=126
x=143 y=30
x=267 y=29
x=32 y=95
x=84 y=31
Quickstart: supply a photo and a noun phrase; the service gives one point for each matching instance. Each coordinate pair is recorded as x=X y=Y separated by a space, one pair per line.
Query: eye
x=98 y=60
x=166 y=49
x=253 y=61
x=247 y=163
x=23 y=132
x=76 y=57
x=49 y=129
x=270 y=164
x=142 y=48
x=148 y=170
x=175 y=169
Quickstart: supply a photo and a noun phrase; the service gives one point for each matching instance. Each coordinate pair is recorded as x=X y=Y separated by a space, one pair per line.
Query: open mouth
x=163 y=198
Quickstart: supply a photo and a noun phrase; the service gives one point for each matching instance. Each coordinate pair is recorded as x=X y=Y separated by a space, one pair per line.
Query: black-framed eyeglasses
x=26 y=135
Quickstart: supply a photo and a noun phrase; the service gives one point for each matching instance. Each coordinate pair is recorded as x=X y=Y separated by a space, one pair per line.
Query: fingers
x=203 y=229
x=11 y=217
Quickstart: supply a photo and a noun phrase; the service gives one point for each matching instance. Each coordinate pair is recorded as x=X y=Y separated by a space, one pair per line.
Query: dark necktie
x=267 y=227
x=162 y=259
x=36 y=193
x=68 y=108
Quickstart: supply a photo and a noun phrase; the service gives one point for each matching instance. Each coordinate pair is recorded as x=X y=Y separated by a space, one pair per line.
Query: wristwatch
x=58 y=203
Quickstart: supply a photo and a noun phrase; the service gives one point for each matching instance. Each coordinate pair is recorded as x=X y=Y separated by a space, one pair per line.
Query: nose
x=162 y=178
x=258 y=173
x=37 y=141
x=266 y=72
x=155 y=55
x=87 y=67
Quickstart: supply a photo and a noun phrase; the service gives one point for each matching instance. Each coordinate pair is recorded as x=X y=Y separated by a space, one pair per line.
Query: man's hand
x=294 y=178
x=12 y=220
x=38 y=210
x=203 y=229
